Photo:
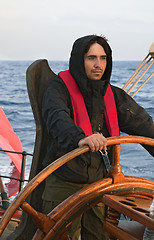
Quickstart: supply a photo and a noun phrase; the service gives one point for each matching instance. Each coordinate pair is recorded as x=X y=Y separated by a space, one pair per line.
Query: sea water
x=14 y=101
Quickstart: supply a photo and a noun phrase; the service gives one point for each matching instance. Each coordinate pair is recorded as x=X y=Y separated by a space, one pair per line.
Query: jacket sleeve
x=58 y=115
x=133 y=119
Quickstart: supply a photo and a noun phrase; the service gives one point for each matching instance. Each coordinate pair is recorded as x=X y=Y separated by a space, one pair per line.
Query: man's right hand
x=95 y=142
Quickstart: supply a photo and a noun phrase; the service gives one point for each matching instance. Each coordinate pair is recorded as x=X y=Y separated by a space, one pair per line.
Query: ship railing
x=22 y=174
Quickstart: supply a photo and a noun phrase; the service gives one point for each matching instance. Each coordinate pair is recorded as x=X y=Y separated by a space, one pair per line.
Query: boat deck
x=9 y=229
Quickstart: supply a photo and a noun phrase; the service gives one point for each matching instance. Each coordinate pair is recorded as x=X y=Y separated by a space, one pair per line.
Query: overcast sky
x=34 y=29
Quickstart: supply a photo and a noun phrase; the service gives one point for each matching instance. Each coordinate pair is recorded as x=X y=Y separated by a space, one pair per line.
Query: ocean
x=14 y=101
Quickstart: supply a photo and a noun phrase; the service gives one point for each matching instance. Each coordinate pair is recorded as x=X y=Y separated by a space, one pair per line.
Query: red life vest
x=81 y=117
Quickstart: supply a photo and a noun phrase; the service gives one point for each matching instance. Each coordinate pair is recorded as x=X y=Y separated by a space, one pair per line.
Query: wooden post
x=5 y=199
x=115 y=170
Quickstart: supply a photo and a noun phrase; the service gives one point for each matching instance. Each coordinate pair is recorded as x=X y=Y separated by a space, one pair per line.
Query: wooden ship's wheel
x=131 y=196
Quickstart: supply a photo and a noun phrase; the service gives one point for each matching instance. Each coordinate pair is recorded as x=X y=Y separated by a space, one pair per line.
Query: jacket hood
x=76 y=63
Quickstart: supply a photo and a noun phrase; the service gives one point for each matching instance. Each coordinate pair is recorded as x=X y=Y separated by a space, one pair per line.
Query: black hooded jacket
x=64 y=135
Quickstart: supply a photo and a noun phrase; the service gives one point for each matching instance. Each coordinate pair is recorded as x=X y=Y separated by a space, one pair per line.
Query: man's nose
x=97 y=62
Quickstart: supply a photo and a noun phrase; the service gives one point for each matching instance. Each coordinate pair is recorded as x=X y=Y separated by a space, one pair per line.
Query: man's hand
x=95 y=142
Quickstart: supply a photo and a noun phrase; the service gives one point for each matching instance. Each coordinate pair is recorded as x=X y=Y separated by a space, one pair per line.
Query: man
x=78 y=108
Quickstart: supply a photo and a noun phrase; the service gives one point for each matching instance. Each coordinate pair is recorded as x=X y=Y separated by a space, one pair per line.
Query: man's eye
x=91 y=58
x=104 y=57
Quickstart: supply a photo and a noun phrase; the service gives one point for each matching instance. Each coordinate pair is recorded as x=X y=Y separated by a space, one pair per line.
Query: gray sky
x=34 y=29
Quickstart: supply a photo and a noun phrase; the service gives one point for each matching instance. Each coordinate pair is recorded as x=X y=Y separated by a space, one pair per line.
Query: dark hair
x=97 y=39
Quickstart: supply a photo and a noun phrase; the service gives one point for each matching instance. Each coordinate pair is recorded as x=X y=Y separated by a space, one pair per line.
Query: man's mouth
x=97 y=71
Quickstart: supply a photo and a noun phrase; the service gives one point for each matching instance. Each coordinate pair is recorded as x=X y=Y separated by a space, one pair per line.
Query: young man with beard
x=78 y=108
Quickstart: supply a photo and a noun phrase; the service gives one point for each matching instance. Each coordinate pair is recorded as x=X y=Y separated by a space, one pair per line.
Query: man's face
x=95 y=61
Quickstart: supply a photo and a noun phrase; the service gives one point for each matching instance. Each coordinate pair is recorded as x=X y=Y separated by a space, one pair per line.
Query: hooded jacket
x=64 y=135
